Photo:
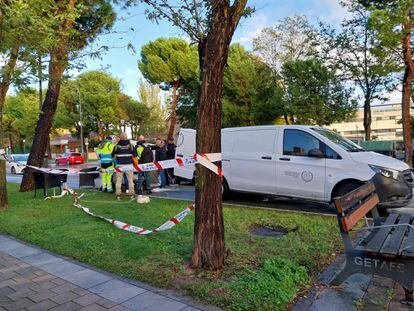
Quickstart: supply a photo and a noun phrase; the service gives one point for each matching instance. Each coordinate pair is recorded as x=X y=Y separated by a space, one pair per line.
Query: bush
x=270 y=288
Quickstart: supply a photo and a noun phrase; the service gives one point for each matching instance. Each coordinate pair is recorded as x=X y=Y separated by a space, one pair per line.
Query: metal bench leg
x=340 y=277
x=409 y=297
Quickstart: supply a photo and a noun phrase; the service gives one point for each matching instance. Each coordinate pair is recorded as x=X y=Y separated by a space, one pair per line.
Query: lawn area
x=262 y=273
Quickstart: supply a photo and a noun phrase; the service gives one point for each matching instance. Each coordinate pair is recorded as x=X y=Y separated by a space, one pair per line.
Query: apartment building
x=385 y=125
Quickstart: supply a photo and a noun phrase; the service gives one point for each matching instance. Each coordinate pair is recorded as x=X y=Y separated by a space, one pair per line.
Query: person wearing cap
x=123 y=153
x=105 y=150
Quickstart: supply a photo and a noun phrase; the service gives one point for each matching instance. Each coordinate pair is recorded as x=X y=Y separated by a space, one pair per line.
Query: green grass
x=261 y=273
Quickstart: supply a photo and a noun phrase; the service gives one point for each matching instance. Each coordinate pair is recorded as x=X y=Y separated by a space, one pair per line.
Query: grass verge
x=262 y=273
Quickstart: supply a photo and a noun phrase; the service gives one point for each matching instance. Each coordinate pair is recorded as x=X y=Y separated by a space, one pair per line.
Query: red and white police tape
x=203 y=159
x=122 y=225
x=134 y=229
x=198 y=158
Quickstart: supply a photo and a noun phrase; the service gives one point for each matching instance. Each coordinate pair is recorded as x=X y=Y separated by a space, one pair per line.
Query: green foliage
x=251 y=94
x=271 y=287
x=314 y=94
x=289 y=40
x=20 y=116
x=135 y=113
x=354 y=54
x=155 y=120
x=98 y=94
x=168 y=60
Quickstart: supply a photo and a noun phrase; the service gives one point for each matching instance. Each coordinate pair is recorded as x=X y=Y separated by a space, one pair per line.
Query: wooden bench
x=386 y=248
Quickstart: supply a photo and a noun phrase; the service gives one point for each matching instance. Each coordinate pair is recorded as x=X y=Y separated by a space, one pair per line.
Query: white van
x=306 y=162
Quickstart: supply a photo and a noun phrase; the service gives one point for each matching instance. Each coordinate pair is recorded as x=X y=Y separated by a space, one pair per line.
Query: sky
x=133 y=27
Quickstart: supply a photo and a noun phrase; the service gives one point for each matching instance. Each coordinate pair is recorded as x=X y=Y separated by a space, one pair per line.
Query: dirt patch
x=268 y=232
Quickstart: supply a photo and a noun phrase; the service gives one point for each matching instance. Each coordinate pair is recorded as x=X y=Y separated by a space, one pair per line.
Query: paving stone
x=86 y=278
x=43 y=285
x=93 y=307
x=398 y=306
x=8 y=282
x=149 y=301
x=61 y=267
x=119 y=308
x=58 y=281
x=64 y=297
x=19 y=304
x=42 y=306
x=21 y=294
x=8 y=245
x=377 y=298
x=330 y=299
x=69 y=306
x=45 y=294
x=117 y=290
x=105 y=303
x=67 y=287
x=79 y=290
x=8 y=275
x=87 y=299
x=6 y=291
x=39 y=259
x=22 y=251
x=43 y=278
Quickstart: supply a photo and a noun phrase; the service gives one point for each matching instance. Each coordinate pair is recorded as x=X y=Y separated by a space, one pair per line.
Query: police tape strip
x=134 y=229
x=203 y=159
x=122 y=225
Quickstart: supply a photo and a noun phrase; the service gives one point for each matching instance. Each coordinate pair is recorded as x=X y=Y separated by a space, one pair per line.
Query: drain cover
x=265 y=231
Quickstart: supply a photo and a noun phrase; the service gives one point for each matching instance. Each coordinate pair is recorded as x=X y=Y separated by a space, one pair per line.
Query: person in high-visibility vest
x=105 y=150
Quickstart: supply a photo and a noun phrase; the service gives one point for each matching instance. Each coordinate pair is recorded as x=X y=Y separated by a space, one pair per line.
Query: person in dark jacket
x=145 y=155
x=123 y=154
x=170 y=156
x=161 y=155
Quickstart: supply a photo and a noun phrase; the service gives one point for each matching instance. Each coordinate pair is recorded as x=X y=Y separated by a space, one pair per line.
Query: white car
x=306 y=162
x=17 y=164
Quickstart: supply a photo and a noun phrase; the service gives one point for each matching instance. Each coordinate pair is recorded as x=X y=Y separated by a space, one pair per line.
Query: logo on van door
x=307 y=176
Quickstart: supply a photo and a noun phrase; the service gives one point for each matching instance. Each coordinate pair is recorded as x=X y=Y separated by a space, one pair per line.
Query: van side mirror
x=315 y=153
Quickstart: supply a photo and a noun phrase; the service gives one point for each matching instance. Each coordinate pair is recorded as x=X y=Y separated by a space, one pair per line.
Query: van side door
x=253 y=161
x=299 y=172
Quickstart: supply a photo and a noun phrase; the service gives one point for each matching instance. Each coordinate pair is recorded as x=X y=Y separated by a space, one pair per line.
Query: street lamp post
x=24 y=145
x=80 y=119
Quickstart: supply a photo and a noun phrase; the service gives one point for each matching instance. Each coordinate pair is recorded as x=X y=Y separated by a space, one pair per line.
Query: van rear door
x=299 y=175
x=185 y=148
x=253 y=160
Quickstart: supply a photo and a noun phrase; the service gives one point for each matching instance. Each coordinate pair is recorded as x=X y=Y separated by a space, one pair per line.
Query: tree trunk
x=208 y=245
x=57 y=65
x=4 y=87
x=173 y=119
x=367 y=119
x=406 y=90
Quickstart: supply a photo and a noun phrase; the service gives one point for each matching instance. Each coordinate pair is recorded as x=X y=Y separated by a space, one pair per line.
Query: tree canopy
x=314 y=94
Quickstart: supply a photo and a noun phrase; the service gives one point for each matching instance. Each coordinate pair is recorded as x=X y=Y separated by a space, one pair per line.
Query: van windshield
x=339 y=140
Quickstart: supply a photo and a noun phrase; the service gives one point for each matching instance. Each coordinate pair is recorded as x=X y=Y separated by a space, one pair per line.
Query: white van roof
x=267 y=127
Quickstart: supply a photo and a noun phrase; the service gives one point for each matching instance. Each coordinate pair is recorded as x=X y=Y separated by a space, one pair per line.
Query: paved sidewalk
x=359 y=292
x=34 y=279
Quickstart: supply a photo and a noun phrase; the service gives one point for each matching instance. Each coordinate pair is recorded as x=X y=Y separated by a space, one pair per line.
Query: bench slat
x=409 y=241
x=394 y=240
x=349 y=221
x=351 y=199
x=375 y=244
